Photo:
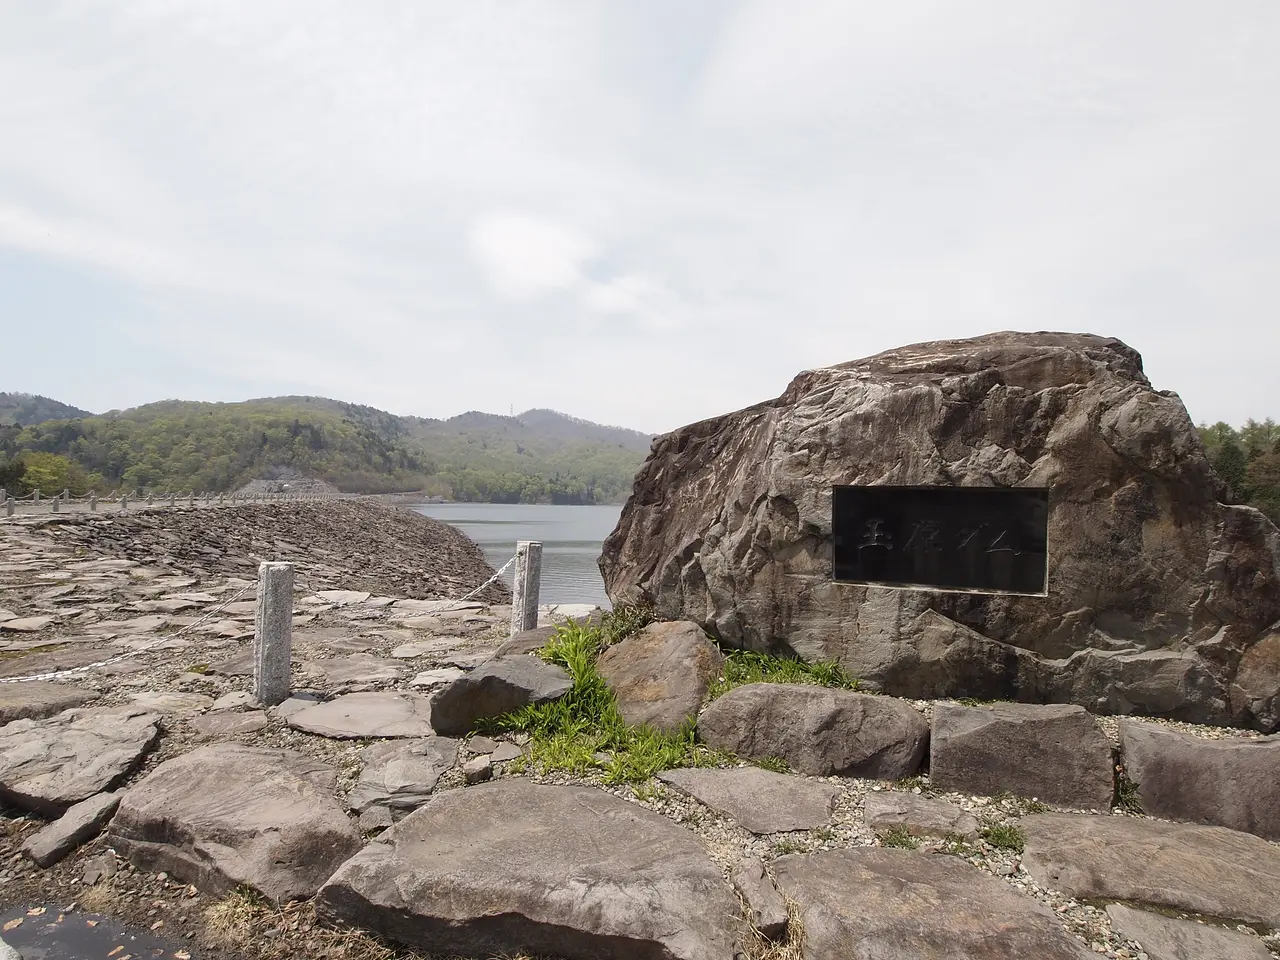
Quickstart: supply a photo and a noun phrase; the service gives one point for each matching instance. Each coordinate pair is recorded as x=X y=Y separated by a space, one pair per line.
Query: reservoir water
x=571 y=538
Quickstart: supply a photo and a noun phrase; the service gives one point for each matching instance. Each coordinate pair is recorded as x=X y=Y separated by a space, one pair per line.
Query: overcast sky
x=641 y=213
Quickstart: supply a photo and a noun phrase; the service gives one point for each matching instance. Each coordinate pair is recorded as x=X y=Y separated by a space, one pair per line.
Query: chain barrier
x=133 y=653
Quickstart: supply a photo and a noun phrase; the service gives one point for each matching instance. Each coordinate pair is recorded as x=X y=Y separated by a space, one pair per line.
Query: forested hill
x=538 y=457
x=27 y=408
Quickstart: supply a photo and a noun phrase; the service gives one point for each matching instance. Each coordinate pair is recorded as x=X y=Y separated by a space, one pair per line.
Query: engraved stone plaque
x=977 y=539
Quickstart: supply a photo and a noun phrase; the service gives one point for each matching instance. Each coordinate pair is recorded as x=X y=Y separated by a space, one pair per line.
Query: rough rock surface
x=818 y=730
x=920 y=816
x=50 y=764
x=389 y=714
x=516 y=867
x=497 y=687
x=80 y=823
x=1168 y=938
x=228 y=723
x=761 y=800
x=768 y=911
x=1207 y=870
x=36 y=699
x=1157 y=589
x=661 y=674
x=1228 y=783
x=1054 y=752
x=401 y=774
x=911 y=905
x=228 y=814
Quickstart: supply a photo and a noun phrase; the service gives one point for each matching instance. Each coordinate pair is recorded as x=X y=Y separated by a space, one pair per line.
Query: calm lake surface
x=571 y=538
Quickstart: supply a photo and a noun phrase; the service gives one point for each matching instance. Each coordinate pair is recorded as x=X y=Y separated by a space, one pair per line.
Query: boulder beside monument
x=1154 y=591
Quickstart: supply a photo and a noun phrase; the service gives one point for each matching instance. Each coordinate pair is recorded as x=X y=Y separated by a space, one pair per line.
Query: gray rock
x=401 y=774
x=817 y=730
x=436 y=678
x=661 y=674
x=499 y=686
x=478 y=744
x=37 y=699
x=356 y=668
x=919 y=816
x=26 y=624
x=505 y=752
x=766 y=908
x=236 y=700
x=228 y=814
x=1229 y=783
x=80 y=823
x=1255 y=692
x=171 y=702
x=1168 y=938
x=477 y=770
x=1208 y=870
x=295 y=703
x=228 y=723
x=760 y=800
x=241 y=665
x=526 y=641
x=366 y=715
x=729 y=526
x=1054 y=752
x=910 y=905
x=375 y=818
x=52 y=764
x=573 y=872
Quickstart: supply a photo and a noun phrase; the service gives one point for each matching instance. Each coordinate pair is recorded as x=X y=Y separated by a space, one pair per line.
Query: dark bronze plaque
x=984 y=539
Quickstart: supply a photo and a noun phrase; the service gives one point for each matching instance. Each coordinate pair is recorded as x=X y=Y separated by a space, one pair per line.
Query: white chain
x=506 y=566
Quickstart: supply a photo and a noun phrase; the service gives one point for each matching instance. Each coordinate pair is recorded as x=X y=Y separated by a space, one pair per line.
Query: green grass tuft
x=1004 y=836
x=747 y=666
x=584 y=730
x=900 y=837
x=1128 y=797
x=776 y=764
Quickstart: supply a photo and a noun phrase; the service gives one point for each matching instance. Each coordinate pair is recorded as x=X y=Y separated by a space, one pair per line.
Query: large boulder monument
x=1017 y=516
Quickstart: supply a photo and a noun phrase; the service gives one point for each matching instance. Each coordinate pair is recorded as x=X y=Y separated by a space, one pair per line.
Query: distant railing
x=121 y=499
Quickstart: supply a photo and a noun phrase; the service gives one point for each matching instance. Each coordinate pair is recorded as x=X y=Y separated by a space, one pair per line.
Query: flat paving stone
x=427 y=648
x=356 y=668
x=919 y=816
x=436 y=678
x=228 y=723
x=891 y=904
x=1208 y=870
x=343 y=598
x=48 y=765
x=171 y=703
x=367 y=715
x=1170 y=938
x=401 y=774
x=514 y=867
x=27 y=624
x=760 y=800
x=79 y=824
x=241 y=665
x=36 y=699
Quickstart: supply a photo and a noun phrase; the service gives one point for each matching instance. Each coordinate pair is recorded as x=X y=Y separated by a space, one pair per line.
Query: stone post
x=8 y=506
x=273 y=633
x=4 y=495
x=524 y=602
x=151 y=498
x=35 y=495
x=193 y=499
x=93 y=501
x=173 y=499
x=66 y=495
x=54 y=504
x=124 y=502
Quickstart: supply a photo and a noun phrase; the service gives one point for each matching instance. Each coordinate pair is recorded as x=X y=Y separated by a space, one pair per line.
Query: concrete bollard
x=151 y=499
x=273 y=633
x=173 y=500
x=35 y=495
x=8 y=506
x=524 y=602
x=54 y=504
x=93 y=502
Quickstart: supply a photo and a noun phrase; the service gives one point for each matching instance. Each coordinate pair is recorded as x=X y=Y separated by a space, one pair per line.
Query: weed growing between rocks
x=776 y=764
x=1020 y=806
x=1128 y=798
x=584 y=729
x=747 y=666
x=1004 y=836
x=901 y=838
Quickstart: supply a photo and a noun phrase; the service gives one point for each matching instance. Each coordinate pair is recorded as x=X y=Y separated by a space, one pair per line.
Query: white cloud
x=427 y=205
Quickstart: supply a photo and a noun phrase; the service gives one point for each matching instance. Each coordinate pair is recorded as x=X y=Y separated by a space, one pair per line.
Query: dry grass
x=791 y=947
x=239 y=921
